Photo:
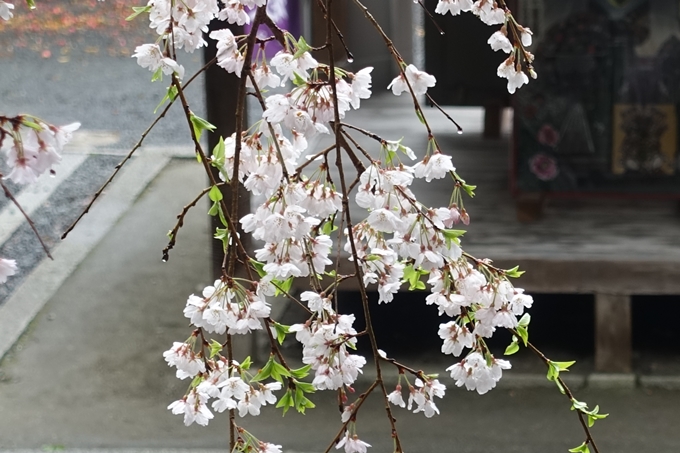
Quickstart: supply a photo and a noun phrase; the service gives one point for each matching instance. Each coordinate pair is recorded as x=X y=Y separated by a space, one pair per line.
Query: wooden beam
x=613 y=339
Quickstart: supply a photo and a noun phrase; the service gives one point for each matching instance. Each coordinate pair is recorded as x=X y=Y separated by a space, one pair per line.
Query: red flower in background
x=548 y=136
x=544 y=167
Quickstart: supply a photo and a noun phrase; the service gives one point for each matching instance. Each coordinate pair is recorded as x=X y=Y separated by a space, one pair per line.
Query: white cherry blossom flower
x=453 y=6
x=420 y=81
x=150 y=56
x=455 y=338
x=352 y=444
x=361 y=86
x=6 y=10
x=516 y=77
x=194 y=408
x=7 y=268
x=396 y=397
x=436 y=166
x=499 y=41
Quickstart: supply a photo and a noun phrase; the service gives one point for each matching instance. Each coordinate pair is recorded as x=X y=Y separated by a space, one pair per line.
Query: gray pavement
x=89 y=373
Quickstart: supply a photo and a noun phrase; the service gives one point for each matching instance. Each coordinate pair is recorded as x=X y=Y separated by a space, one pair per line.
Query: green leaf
x=170 y=95
x=259 y=267
x=200 y=125
x=525 y=320
x=305 y=386
x=215 y=194
x=157 y=75
x=282 y=370
x=578 y=405
x=221 y=213
x=583 y=448
x=419 y=114
x=514 y=272
x=215 y=348
x=218 y=154
x=453 y=234
x=283 y=286
x=214 y=209
x=281 y=332
x=302 y=372
x=222 y=234
x=265 y=371
x=286 y=401
x=512 y=348
x=245 y=365
x=137 y=11
x=297 y=80
x=523 y=334
x=31 y=4
x=469 y=189
x=563 y=366
x=302 y=47
x=301 y=402
x=412 y=276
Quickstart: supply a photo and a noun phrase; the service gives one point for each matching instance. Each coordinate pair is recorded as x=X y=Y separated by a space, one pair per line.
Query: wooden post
x=529 y=206
x=613 y=339
x=221 y=93
x=492 y=121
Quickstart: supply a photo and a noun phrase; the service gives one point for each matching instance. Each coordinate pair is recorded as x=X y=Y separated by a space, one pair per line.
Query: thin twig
x=132 y=151
x=180 y=223
x=9 y=195
x=567 y=392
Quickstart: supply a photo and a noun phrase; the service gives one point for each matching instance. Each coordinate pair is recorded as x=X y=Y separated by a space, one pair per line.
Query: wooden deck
x=610 y=248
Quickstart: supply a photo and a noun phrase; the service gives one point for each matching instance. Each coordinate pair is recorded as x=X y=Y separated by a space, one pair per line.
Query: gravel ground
x=103 y=93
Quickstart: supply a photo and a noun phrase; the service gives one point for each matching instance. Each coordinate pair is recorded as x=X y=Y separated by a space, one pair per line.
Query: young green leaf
x=200 y=125
x=514 y=272
x=512 y=347
x=215 y=348
x=137 y=11
x=523 y=334
x=218 y=153
x=265 y=371
x=583 y=448
x=302 y=372
x=215 y=194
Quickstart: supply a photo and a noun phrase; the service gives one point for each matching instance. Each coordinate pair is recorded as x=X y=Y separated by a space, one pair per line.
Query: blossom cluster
x=31 y=147
x=325 y=338
x=517 y=67
x=400 y=241
x=217 y=380
x=227 y=308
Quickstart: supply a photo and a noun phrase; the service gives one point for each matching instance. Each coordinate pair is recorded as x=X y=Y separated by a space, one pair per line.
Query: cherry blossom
x=352 y=444
x=453 y=6
x=7 y=269
x=6 y=10
x=150 y=56
x=420 y=81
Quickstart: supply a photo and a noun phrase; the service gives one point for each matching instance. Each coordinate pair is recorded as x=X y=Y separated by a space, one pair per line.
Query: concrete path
x=89 y=371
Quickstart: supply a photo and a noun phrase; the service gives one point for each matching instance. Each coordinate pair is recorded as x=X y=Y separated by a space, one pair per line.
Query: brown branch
x=357 y=405
x=132 y=151
x=567 y=392
x=180 y=223
x=9 y=195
